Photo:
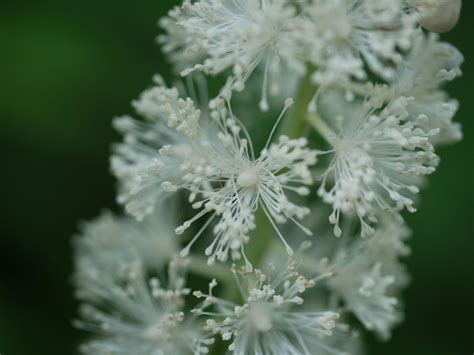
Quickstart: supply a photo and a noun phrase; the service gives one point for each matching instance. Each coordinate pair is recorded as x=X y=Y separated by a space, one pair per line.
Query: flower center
x=183 y=150
x=261 y=318
x=156 y=333
x=249 y=177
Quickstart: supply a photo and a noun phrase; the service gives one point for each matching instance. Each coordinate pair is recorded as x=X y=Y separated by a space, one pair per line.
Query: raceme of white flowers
x=264 y=217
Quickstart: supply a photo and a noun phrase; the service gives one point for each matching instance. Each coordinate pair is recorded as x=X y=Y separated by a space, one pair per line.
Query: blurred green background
x=66 y=69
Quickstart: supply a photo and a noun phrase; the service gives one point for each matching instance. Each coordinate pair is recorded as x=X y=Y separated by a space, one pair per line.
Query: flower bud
x=439 y=15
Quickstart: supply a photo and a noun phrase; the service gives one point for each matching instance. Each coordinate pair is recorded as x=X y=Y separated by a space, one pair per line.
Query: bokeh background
x=66 y=69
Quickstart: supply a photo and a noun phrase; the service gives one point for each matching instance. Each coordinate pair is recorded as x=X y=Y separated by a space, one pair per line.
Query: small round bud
x=439 y=15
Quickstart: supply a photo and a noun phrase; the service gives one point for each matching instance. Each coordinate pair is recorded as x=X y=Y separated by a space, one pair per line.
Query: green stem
x=200 y=267
x=295 y=124
x=261 y=238
x=321 y=127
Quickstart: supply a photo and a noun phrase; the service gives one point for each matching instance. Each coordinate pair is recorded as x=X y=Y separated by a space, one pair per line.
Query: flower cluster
x=336 y=37
x=359 y=148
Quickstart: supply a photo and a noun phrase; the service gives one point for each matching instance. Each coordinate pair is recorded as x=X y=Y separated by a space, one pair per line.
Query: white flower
x=108 y=242
x=345 y=35
x=367 y=275
x=371 y=302
x=215 y=164
x=378 y=159
x=270 y=320
x=128 y=310
x=135 y=162
x=238 y=35
x=430 y=64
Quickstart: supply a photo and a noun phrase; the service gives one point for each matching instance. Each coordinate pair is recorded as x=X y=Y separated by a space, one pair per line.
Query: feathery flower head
x=367 y=296
x=238 y=35
x=429 y=65
x=170 y=124
x=379 y=157
x=270 y=319
x=124 y=303
x=345 y=35
x=367 y=275
x=173 y=150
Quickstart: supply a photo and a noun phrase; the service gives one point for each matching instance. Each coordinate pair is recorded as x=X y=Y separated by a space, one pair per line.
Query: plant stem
x=321 y=127
x=200 y=267
x=261 y=238
x=295 y=124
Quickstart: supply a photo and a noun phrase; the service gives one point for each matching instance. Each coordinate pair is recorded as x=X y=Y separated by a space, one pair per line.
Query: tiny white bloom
x=345 y=35
x=210 y=159
x=379 y=157
x=430 y=64
x=123 y=301
x=238 y=35
x=270 y=320
x=242 y=184
x=367 y=275
x=169 y=122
